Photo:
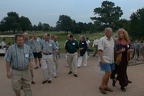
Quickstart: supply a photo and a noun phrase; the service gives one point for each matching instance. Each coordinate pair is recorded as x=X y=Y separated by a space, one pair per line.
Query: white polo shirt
x=107 y=47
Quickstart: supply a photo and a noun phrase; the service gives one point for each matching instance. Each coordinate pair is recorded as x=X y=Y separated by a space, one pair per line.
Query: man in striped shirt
x=19 y=59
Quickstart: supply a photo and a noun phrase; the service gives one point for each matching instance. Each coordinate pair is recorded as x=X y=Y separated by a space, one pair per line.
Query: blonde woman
x=123 y=46
x=82 y=52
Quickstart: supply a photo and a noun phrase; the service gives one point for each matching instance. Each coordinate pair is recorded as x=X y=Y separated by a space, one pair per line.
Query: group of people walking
x=19 y=60
x=45 y=52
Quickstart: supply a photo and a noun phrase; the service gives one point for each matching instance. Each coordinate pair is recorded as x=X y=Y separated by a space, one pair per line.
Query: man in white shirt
x=95 y=44
x=106 y=58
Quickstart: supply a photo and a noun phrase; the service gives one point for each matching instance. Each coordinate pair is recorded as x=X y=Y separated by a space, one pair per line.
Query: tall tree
x=12 y=21
x=65 y=23
x=40 y=26
x=137 y=24
x=108 y=14
x=2 y=26
x=123 y=23
x=81 y=27
x=35 y=28
x=25 y=23
x=46 y=27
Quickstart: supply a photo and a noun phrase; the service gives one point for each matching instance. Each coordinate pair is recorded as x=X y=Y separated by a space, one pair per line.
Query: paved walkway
x=86 y=84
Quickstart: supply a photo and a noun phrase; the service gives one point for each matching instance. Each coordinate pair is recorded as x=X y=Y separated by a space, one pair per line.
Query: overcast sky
x=48 y=11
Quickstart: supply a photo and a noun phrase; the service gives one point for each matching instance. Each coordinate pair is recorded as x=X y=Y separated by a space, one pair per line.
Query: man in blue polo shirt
x=19 y=58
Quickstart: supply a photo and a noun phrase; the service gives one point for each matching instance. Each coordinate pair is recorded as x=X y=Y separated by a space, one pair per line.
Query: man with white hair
x=27 y=41
x=48 y=58
x=106 y=58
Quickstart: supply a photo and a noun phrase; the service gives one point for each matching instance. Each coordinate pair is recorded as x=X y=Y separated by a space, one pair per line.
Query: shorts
x=107 y=67
x=37 y=55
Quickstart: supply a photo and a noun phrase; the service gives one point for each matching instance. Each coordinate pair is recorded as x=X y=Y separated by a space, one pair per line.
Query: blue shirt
x=19 y=58
x=36 y=45
x=48 y=46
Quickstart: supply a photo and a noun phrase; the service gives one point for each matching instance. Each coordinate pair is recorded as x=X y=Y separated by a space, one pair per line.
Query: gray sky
x=48 y=11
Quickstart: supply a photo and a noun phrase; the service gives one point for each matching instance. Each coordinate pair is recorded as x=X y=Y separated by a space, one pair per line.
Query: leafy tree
x=12 y=21
x=25 y=23
x=108 y=14
x=35 y=28
x=40 y=26
x=93 y=28
x=51 y=28
x=137 y=24
x=123 y=23
x=2 y=26
x=46 y=27
x=65 y=23
x=81 y=27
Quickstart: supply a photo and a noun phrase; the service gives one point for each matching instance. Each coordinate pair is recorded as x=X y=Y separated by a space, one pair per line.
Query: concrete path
x=86 y=84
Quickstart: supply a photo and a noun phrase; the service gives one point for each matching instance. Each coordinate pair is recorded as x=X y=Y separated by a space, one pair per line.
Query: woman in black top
x=82 y=51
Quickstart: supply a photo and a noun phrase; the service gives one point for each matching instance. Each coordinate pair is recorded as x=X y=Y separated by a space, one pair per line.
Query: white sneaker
x=54 y=75
x=87 y=56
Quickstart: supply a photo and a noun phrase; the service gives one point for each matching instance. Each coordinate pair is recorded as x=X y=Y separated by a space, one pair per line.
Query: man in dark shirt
x=72 y=48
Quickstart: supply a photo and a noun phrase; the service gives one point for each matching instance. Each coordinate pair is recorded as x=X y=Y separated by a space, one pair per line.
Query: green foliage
x=39 y=27
x=25 y=23
x=65 y=23
x=46 y=27
x=107 y=14
x=15 y=23
x=137 y=24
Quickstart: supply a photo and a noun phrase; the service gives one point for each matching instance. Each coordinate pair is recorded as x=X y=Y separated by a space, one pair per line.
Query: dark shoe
x=123 y=89
x=93 y=56
x=21 y=87
x=70 y=72
x=36 y=68
x=75 y=75
x=113 y=82
x=44 y=82
x=49 y=81
x=129 y=81
x=103 y=91
x=32 y=82
x=40 y=65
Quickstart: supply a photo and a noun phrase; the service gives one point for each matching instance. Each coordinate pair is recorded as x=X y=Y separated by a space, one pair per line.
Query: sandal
x=108 y=89
x=103 y=91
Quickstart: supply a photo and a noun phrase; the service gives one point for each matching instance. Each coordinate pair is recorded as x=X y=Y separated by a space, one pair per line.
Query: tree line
x=107 y=15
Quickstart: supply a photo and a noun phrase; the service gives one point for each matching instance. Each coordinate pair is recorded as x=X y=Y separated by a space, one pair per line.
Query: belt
x=18 y=69
x=47 y=53
x=71 y=52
